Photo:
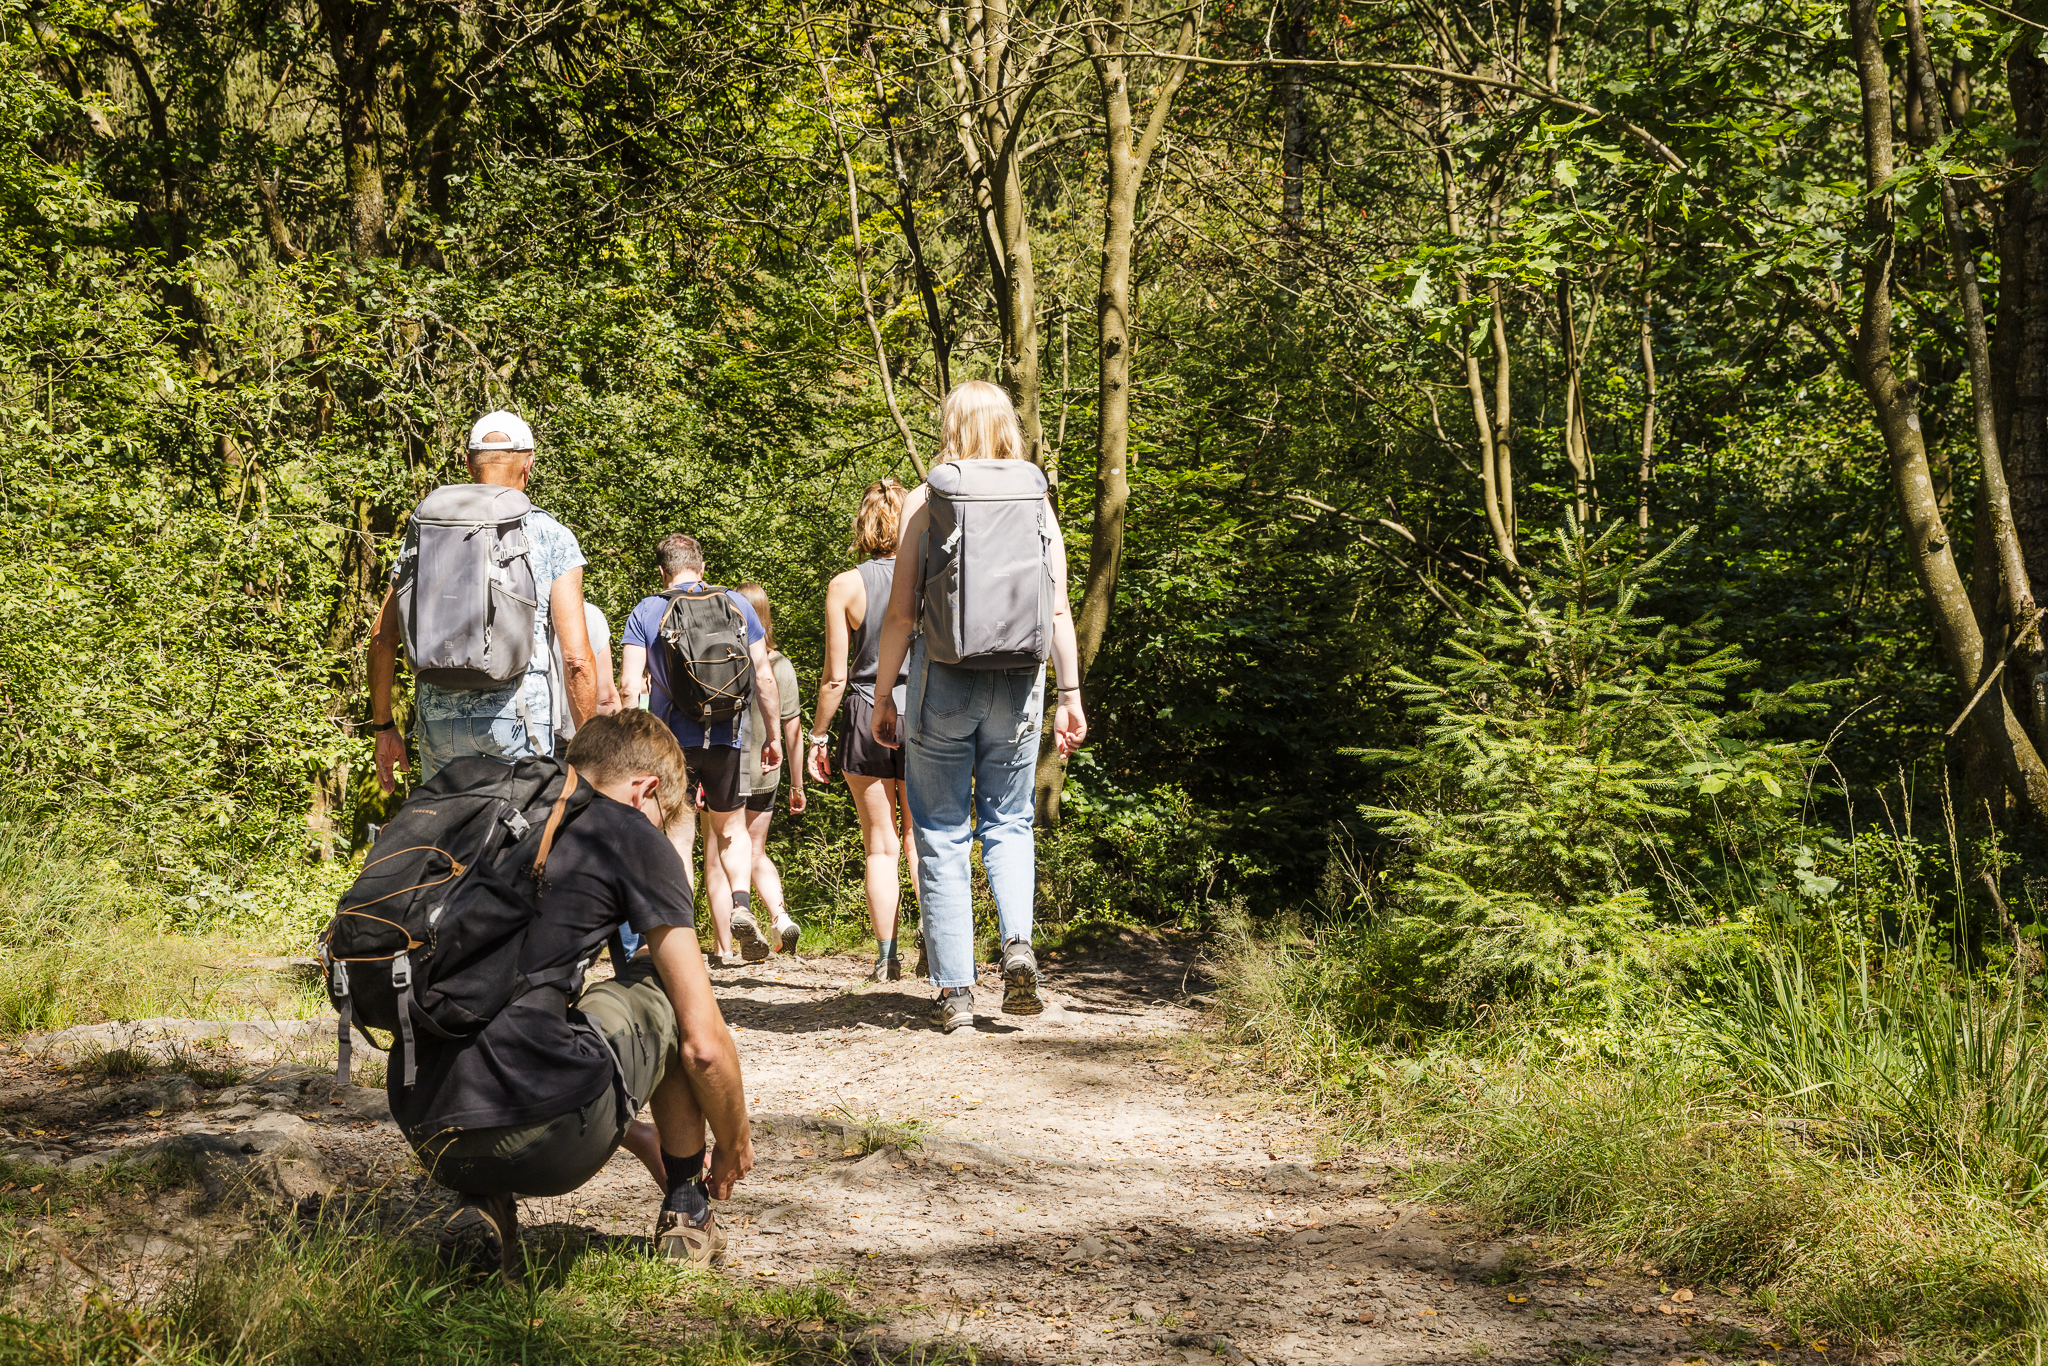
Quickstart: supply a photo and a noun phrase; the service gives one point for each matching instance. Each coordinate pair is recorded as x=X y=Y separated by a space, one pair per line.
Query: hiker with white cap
x=486 y=589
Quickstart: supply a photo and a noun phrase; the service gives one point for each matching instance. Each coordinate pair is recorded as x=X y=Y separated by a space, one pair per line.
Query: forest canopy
x=1398 y=368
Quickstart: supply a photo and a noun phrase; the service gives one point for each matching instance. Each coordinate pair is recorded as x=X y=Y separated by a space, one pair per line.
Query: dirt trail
x=1051 y=1189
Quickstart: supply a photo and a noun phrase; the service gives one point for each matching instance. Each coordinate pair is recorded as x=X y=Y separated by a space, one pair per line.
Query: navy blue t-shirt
x=643 y=628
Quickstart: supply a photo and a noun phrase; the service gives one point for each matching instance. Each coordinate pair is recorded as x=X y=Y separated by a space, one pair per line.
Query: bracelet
x=1075 y=688
x=388 y=725
x=821 y=739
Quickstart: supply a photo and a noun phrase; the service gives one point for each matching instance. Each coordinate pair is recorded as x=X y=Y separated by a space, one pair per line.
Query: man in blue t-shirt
x=713 y=753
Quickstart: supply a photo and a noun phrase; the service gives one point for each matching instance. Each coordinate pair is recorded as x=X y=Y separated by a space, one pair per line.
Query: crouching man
x=538 y=1100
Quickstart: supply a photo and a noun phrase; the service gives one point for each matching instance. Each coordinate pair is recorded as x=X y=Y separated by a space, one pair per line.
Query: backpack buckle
x=518 y=825
x=340 y=978
x=401 y=971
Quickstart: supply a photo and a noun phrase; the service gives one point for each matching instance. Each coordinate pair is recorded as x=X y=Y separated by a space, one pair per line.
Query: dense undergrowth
x=1638 y=979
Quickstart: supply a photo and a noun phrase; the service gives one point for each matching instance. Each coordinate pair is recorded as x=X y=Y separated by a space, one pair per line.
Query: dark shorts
x=763 y=801
x=555 y=1156
x=716 y=768
x=860 y=753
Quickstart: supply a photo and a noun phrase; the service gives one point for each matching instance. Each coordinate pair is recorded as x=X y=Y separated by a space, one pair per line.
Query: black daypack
x=429 y=935
x=704 y=639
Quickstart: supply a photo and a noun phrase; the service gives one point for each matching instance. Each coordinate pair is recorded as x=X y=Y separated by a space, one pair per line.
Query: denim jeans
x=971 y=749
x=443 y=739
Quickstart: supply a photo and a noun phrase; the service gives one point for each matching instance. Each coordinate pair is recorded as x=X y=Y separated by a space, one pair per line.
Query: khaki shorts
x=555 y=1156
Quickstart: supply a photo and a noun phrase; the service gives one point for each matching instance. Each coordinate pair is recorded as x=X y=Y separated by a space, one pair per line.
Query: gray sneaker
x=953 y=1010
x=747 y=936
x=1020 y=979
x=888 y=969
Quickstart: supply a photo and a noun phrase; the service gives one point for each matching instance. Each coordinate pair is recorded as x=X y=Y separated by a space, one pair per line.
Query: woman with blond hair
x=854 y=603
x=970 y=730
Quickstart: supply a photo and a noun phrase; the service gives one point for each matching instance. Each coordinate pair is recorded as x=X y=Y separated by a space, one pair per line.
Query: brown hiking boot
x=678 y=1240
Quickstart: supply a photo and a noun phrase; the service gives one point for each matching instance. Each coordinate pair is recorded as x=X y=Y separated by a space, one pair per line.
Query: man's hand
x=797 y=800
x=771 y=755
x=884 y=725
x=820 y=763
x=1072 y=727
x=729 y=1163
x=390 y=756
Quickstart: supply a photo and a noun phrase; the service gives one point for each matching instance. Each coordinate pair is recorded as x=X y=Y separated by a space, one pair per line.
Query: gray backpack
x=466 y=593
x=987 y=591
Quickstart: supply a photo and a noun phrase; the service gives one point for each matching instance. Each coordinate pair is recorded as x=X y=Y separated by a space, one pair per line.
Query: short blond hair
x=978 y=422
x=631 y=744
x=880 y=518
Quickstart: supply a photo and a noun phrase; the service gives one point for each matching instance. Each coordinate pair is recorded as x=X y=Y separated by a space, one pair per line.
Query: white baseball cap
x=519 y=435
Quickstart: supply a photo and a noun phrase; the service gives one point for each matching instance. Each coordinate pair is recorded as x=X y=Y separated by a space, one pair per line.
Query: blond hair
x=632 y=744
x=881 y=514
x=978 y=422
x=757 y=598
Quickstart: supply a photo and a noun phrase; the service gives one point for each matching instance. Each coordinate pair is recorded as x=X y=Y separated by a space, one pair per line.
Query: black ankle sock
x=886 y=949
x=743 y=901
x=686 y=1185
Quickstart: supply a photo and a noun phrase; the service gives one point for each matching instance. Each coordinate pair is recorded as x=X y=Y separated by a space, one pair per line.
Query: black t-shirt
x=534 y=1061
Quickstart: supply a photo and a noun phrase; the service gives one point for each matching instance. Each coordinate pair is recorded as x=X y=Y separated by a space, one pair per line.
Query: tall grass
x=1949 y=1076
x=341 y=1293
x=79 y=945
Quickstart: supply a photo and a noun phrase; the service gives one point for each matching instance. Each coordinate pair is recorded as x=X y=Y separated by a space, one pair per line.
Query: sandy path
x=1070 y=1195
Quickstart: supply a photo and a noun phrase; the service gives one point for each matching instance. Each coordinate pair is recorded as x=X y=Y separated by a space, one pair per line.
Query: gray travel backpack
x=466 y=593
x=987 y=591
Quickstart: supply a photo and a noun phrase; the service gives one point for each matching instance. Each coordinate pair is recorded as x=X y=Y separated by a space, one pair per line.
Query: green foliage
x=1898 y=1059
x=1581 y=781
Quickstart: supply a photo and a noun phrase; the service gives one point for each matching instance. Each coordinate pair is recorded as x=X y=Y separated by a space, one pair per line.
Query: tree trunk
x=1294 y=121
x=1927 y=539
x=355 y=34
x=2021 y=355
x=1128 y=151
x=992 y=93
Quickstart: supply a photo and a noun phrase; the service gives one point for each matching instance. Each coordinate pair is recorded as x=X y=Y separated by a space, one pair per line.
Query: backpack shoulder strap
x=547 y=834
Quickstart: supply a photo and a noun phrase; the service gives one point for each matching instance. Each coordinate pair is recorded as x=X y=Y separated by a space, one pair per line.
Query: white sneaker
x=788 y=932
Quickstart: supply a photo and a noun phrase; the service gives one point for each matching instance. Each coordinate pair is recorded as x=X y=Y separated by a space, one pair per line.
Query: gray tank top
x=863 y=652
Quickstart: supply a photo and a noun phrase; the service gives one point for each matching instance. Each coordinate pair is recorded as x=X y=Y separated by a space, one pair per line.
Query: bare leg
x=728 y=870
x=908 y=842
x=643 y=1140
x=767 y=877
x=684 y=838
x=884 y=851
x=677 y=1116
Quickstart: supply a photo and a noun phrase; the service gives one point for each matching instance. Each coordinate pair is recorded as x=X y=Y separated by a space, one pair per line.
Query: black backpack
x=704 y=642
x=429 y=934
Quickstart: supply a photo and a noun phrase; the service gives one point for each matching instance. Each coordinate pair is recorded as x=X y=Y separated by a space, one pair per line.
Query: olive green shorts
x=555 y=1156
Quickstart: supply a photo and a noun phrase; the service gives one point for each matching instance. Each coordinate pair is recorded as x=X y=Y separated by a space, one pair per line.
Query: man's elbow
x=703 y=1056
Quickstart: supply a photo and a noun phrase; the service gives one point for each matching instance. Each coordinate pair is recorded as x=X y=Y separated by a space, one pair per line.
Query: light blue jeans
x=443 y=739
x=971 y=748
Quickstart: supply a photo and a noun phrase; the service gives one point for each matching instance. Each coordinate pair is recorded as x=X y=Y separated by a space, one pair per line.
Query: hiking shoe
x=924 y=962
x=788 y=931
x=888 y=969
x=747 y=936
x=1020 y=979
x=678 y=1240
x=953 y=1010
